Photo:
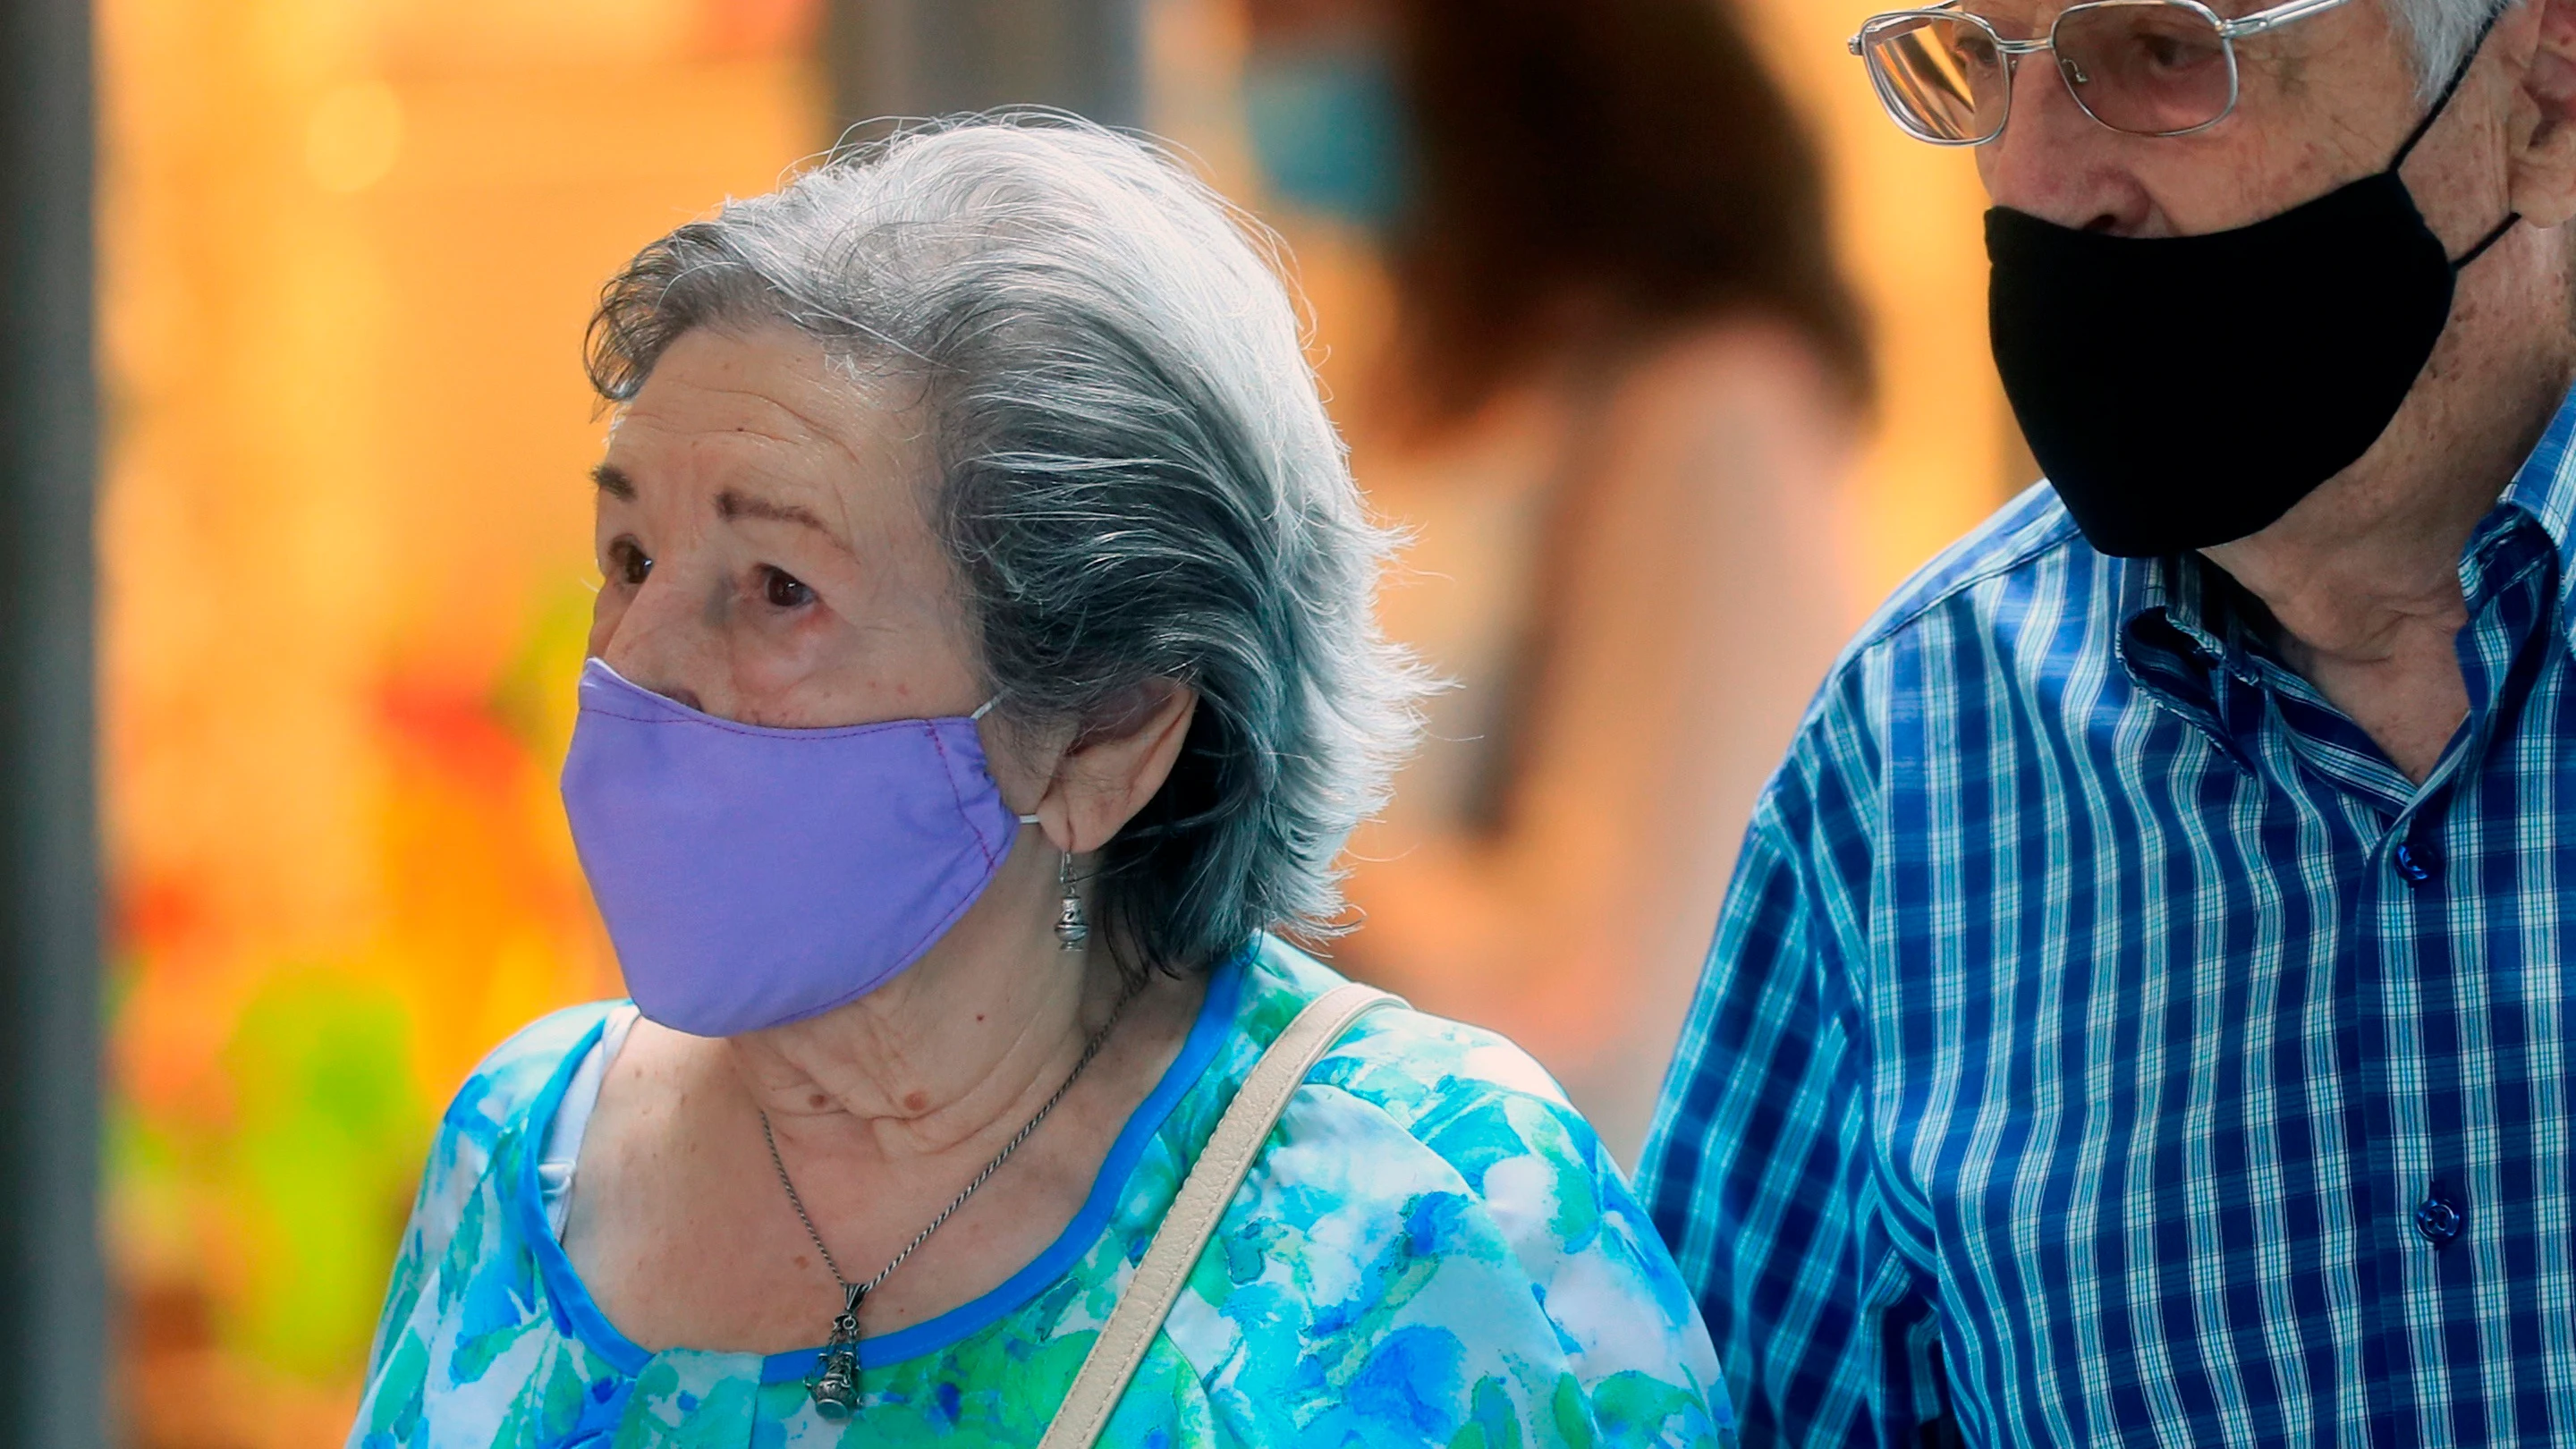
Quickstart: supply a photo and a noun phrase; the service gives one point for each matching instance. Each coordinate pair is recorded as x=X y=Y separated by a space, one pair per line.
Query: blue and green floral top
x=1433 y=1249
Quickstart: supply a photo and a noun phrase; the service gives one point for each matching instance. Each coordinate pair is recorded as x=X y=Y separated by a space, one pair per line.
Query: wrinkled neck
x=959 y=1048
x=2375 y=554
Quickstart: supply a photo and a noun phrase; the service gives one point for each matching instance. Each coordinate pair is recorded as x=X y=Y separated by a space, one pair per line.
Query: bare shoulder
x=1748 y=357
x=1750 y=390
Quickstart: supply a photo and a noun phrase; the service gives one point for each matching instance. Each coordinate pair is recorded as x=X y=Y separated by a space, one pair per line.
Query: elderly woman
x=983 y=670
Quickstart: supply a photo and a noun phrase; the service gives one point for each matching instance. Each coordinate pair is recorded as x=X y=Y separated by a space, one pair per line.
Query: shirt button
x=2440 y=1216
x=2419 y=862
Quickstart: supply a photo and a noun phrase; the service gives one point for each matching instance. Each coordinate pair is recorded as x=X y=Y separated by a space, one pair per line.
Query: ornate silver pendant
x=834 y=1384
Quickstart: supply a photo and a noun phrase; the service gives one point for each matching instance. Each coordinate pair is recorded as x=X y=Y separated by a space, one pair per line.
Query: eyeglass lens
x=2147 y=67
x=1940 y=76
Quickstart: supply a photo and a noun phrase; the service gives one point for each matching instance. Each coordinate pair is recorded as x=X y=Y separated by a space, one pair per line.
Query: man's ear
x=2543 y=128
x=1112 y=770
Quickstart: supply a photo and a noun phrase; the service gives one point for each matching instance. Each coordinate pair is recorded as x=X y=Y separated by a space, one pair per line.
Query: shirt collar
x=2168 y=609
x=2543 y=492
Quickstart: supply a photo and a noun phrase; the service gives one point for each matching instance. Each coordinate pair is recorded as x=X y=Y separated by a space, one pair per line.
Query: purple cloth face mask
x=751 y=877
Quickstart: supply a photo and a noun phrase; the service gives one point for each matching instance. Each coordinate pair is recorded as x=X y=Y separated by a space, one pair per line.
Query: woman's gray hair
x=1137 y=481
x=2443 y=31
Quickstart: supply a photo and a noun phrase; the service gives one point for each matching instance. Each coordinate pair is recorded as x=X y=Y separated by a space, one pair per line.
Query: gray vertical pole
x=932 y=57
x=53 y=1337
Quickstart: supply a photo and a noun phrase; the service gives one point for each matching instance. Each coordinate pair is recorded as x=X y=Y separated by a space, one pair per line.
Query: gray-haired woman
x=983 y=667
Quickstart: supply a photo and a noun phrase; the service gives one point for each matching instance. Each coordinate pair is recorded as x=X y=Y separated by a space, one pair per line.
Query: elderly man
x=2146 y=1008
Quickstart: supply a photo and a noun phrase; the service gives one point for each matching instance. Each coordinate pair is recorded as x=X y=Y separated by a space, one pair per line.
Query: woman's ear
x=2544 y=124
x=1112 y=770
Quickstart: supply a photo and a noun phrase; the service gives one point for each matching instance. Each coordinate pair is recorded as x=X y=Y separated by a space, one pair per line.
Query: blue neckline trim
x=578 y=1315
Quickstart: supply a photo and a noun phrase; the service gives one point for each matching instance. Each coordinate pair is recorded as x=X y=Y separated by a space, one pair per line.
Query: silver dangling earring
x=1071 y=929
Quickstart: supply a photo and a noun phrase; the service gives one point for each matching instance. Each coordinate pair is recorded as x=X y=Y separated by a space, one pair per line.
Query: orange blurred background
x=349 y=247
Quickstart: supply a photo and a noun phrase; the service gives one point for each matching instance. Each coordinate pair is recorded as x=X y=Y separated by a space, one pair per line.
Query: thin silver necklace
x=834 y=1384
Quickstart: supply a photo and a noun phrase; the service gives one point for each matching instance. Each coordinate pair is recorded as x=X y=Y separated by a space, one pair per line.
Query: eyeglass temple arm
x=2002 y=46
x=2276 y=17
x=2254 y=24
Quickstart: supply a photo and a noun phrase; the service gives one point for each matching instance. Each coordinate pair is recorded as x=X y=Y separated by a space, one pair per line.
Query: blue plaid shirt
x=2105 y=1043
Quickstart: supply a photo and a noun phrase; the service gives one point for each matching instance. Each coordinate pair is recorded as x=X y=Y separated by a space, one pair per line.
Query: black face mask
x=2183 y=392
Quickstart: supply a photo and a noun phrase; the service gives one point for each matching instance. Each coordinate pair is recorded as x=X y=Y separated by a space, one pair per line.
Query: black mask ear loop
x=2424 y=127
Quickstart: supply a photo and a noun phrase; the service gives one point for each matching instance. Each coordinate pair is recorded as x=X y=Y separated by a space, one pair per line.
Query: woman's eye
x=627 y=563
x=784 y=590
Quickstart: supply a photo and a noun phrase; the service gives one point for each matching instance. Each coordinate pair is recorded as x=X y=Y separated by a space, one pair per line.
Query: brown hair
x=1598 y=173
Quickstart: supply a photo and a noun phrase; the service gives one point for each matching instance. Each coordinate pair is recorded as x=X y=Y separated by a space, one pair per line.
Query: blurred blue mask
x=1327 y=126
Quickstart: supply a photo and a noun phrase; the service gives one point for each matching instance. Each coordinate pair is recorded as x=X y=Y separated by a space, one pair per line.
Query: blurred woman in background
x=1621 y=382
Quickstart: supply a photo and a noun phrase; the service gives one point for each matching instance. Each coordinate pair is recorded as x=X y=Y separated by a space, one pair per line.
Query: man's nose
x=2056 y=163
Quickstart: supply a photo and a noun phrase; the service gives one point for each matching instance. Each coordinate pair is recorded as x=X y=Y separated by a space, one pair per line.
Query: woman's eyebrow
x=731 y=505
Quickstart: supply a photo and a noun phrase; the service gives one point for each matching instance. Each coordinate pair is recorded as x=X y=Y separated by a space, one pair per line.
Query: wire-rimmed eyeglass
x=2142 y=67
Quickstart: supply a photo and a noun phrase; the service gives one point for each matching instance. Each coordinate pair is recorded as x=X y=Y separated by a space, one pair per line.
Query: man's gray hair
x=2443 y=31
x=1136 y=478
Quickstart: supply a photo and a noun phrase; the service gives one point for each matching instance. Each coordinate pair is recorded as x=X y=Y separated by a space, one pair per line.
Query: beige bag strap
x=1194 y=1214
